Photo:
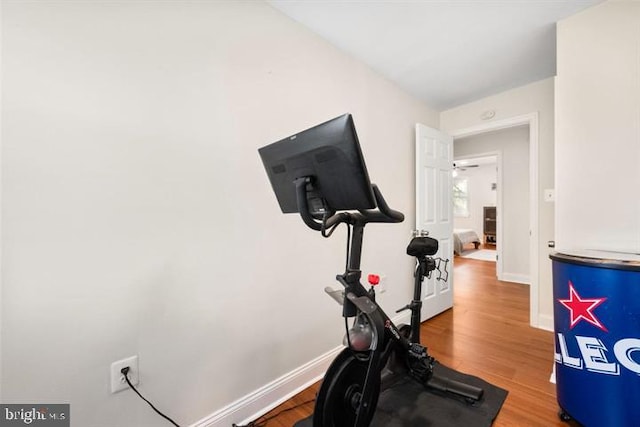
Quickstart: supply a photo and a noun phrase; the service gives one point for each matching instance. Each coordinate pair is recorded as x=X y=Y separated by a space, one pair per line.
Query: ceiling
x=481 y=161
x=444 y=52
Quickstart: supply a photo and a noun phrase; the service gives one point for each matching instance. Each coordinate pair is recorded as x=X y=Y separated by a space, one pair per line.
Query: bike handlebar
x=390 y=215
x=383 y=213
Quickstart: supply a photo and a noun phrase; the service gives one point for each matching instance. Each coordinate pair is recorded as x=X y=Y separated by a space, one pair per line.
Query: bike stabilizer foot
x=448 y=385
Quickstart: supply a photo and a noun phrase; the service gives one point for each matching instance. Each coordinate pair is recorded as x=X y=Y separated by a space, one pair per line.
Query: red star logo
x=582 y=309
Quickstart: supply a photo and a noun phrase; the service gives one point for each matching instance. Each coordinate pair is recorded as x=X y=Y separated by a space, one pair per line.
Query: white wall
x=534 y=97
x=137 y=217
x=480 y=195
x=513 y=144
x=598 y=129
x=1 y=239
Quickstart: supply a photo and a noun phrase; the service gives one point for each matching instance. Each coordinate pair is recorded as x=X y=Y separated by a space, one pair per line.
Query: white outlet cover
x=118 y=383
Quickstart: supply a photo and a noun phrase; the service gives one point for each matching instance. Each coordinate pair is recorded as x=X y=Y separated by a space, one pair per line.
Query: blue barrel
x=597 y=328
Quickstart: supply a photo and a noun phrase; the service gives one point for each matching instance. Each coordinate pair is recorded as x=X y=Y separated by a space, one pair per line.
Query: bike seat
x=422 y=246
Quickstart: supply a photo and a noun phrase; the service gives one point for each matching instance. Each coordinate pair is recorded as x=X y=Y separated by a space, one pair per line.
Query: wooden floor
x=486 y=334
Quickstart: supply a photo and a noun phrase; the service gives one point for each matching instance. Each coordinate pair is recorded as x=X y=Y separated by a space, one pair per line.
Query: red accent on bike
x=374 y=279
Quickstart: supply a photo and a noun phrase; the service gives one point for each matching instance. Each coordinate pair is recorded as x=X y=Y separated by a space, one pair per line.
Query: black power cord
x=125 y=372
x=262 y=422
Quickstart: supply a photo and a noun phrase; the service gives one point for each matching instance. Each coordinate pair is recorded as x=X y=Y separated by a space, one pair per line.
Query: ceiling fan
x=463 y=167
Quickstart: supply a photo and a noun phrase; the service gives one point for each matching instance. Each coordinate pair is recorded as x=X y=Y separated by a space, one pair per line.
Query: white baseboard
x=545 y=322
x=267 y=397
x=516 y=278
x=405 y=318
x=264 y=399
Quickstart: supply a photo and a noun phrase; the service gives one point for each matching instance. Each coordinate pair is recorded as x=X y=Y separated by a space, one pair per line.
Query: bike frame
x=357 y=300
x=356 y=297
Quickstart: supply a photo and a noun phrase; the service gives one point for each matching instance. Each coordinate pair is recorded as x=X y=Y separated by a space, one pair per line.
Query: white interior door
x=434 y=211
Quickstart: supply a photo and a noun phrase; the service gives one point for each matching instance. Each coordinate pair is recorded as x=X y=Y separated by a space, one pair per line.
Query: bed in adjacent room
x=462 y=237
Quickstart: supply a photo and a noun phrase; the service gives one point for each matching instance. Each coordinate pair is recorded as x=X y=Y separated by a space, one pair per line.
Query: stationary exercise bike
x=351 y=386
x=318 y=181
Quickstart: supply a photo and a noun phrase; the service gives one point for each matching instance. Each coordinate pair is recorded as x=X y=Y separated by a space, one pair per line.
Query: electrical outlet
x=118 y=382
x=382 y=286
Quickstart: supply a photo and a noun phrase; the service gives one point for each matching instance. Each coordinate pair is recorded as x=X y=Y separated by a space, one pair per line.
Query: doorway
x=530 y=120
x=476 y=193
x=513 y=236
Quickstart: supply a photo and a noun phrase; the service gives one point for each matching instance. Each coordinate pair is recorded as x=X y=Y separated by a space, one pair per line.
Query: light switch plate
x=550 y=195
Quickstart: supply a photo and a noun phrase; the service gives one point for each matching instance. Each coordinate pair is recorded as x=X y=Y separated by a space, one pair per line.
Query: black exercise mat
x=406 y=403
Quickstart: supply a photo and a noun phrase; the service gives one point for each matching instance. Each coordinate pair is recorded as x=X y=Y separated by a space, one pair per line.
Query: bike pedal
x=418 y=351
